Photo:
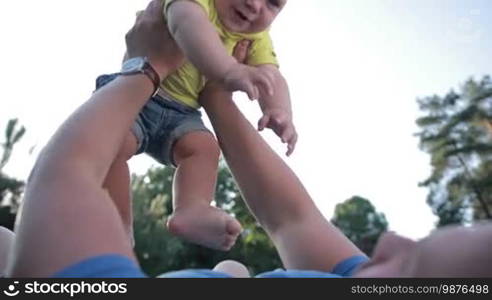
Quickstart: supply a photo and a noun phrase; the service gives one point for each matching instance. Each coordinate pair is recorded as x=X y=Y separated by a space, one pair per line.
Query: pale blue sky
x=354 y=67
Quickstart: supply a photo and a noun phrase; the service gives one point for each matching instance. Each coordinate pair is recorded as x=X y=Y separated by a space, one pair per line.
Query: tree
x=159 y=252
x=456 y=131
x=358 y=219
x=10 y=188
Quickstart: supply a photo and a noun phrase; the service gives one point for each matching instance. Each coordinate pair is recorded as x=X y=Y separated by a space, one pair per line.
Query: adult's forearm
x=89 y=139
x=304 y=238
x=64 y=196
x=273 y=191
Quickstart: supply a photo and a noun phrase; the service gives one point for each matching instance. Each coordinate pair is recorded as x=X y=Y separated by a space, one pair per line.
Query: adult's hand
x=150 y=37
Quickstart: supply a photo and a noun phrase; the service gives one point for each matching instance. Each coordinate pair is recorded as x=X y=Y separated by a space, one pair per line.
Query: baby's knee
x=196 y=144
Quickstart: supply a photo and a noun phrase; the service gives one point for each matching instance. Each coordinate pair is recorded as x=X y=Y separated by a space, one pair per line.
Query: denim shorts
x=161 y=123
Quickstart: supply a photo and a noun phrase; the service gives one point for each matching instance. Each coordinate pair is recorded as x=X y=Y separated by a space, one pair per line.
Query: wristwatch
x=140 y=65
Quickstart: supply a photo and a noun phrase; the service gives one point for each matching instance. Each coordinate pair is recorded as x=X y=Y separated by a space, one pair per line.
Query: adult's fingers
x=151 y=12
x=151 y=15
x=240 y=52
x=150 y=37
x=154 y=10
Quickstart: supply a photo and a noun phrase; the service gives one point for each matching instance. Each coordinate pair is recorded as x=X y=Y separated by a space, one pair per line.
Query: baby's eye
x=275 y=3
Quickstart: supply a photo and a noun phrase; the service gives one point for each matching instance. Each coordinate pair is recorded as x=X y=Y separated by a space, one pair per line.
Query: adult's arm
x=302 y=235
x=67 y=216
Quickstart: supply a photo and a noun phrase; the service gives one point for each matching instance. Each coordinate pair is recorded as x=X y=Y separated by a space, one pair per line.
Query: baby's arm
x=277 y=110
x=198 y=39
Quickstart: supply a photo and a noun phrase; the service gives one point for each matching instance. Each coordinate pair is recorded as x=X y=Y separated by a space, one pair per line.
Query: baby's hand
x=251 y=80
x=281 y=123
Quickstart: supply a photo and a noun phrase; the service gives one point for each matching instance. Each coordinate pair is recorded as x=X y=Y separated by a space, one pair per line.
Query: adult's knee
x=232 y=268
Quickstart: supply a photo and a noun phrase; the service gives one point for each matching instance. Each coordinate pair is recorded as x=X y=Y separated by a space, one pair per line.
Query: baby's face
x=248 y=16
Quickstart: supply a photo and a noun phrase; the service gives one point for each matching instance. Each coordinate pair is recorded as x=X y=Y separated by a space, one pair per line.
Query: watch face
x=133 y=64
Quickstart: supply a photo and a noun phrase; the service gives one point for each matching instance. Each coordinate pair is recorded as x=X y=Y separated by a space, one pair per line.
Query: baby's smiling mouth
x=241 y=15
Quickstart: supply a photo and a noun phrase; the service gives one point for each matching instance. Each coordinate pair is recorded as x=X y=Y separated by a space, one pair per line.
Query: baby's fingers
x=263 y=122
x=287 y=134
x=252 y=91
x=291 y=144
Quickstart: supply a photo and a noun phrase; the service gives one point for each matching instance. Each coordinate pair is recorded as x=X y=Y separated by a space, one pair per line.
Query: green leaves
x=358 y=219
x=10 y=189
x=456 y=132
x=12 y=136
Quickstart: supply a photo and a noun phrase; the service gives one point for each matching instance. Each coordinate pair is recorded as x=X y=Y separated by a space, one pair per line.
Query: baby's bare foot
x=205 y=225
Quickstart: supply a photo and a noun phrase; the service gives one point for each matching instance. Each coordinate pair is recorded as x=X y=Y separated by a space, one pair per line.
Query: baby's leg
x=196 y=155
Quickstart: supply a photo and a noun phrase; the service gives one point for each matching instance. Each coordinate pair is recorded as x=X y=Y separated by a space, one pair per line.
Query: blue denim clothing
x=118 y=266
x=102 y=266
x=345 y=268
x=160 y=123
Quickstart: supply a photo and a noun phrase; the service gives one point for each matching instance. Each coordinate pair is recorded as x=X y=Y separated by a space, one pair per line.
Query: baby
x=169 y=127
x=207 y=31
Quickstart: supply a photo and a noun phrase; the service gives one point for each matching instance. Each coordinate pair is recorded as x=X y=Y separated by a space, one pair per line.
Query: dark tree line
x=456 y=131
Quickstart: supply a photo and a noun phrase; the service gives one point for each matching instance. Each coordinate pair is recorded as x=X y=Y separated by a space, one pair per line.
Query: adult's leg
x=196 y=155
x=302 y=235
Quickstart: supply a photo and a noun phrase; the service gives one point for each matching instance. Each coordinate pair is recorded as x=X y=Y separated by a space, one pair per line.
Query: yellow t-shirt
x=186 y=83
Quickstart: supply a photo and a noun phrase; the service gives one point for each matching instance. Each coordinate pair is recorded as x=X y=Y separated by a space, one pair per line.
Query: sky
x=355 y=69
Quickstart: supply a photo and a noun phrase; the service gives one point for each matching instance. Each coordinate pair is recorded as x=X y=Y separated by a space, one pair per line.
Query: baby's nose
x=254 y=5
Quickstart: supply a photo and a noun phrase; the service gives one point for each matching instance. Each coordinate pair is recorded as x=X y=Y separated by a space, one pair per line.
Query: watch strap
x=152 y=74
x=147 y=70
